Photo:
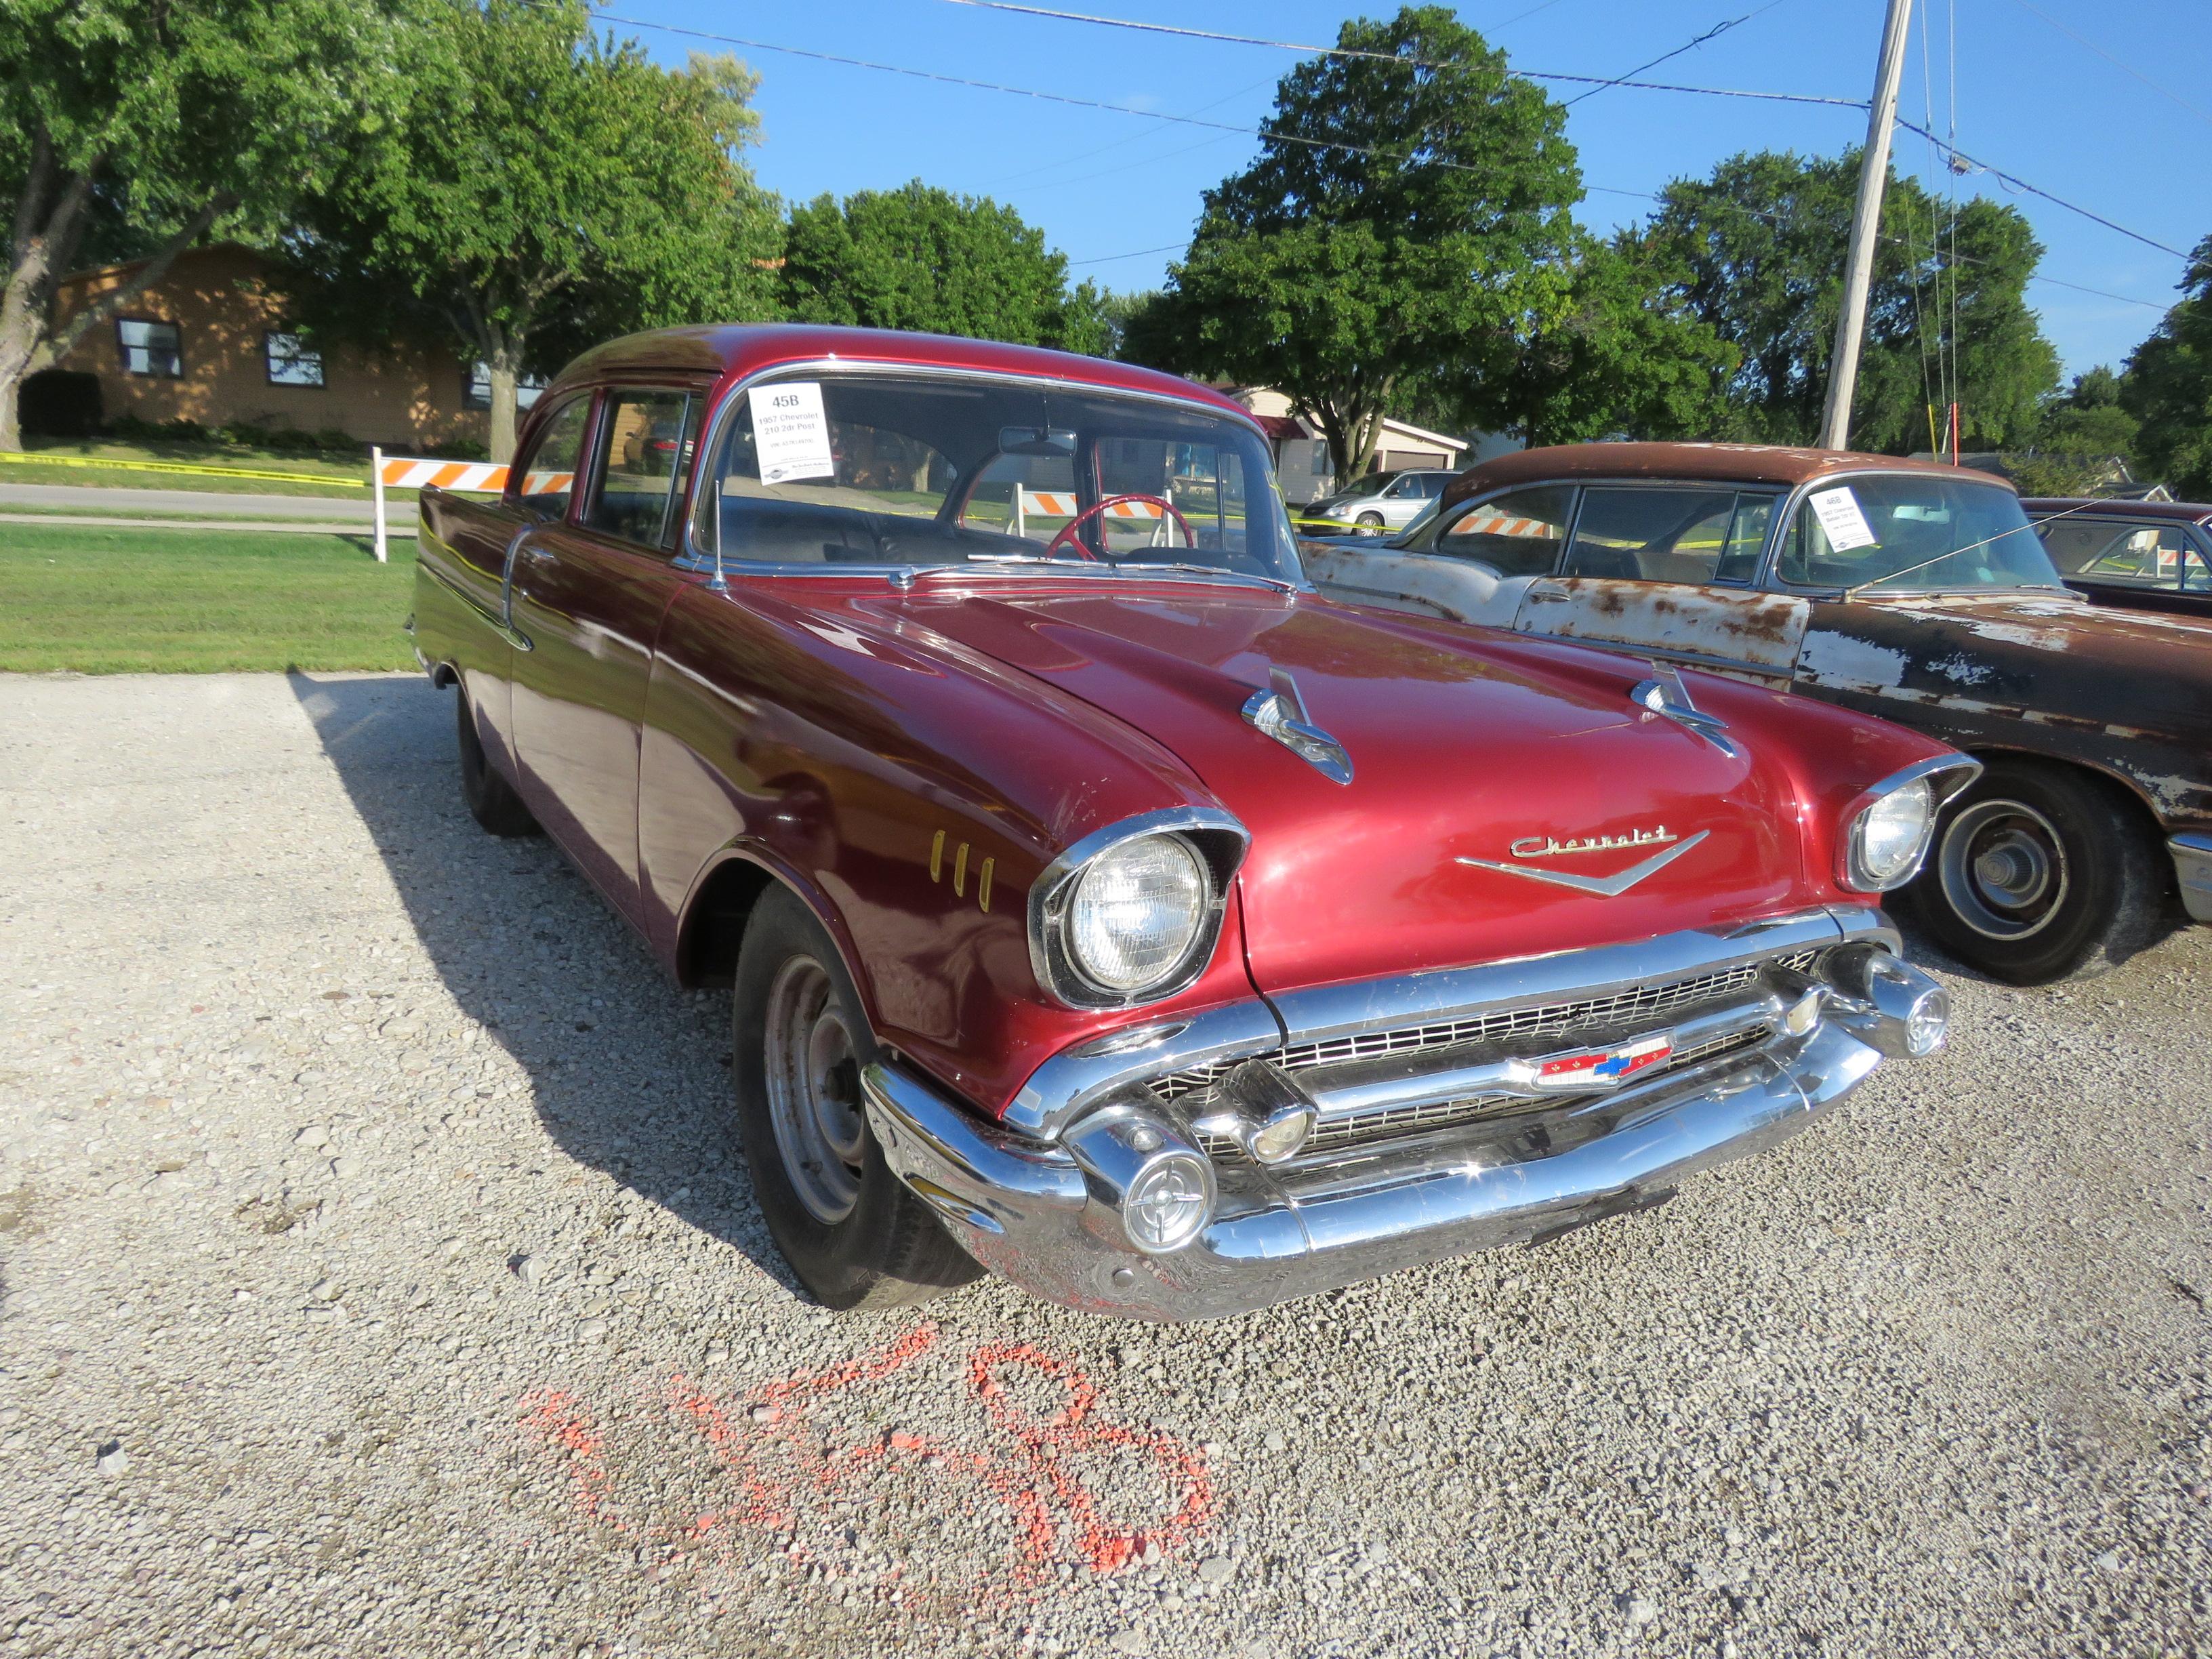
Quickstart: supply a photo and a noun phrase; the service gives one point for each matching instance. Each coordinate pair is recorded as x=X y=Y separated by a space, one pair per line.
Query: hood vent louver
x=1277 y=711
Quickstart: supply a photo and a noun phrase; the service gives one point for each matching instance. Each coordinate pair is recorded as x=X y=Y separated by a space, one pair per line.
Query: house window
x=151 y=349
x=291 y=361
x=475 y=391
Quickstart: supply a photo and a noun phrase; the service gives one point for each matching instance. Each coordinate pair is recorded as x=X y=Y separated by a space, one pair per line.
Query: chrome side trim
x=2192 y=869
x=1216 y=836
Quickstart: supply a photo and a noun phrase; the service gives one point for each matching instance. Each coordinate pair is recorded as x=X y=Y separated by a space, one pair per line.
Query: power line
x=1107 y=260
x=1267 y=135
x=1714 y=32
x=2016 y=182
x=1306 y=48
x=2125 y=68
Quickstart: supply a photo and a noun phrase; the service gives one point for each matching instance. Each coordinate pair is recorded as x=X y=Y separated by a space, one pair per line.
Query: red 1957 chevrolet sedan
x=1102 y=904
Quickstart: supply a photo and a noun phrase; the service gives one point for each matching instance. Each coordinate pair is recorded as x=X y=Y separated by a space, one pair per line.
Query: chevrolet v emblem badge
x=1604 y=886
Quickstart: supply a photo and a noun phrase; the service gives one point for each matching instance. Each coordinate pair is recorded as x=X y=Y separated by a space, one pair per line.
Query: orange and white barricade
x=414 y=472
x=1062 y=504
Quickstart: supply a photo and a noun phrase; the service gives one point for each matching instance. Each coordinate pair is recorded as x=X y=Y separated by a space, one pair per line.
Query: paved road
x=375 y=1282
x=228 y=504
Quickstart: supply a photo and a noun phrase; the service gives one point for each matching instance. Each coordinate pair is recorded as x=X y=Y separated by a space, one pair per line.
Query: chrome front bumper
x=2193 y=870
x=1025 y=1207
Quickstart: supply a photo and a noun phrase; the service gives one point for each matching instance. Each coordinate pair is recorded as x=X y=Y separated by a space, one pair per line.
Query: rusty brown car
x=1902 y=588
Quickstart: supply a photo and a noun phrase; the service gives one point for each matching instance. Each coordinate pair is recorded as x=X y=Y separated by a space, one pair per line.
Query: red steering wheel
x=1067 y=531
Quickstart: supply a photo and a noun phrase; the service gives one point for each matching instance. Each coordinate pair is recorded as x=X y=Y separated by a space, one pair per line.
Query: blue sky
x=2043 y=103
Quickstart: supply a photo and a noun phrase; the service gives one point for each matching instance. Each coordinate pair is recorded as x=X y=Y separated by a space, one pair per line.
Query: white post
x=1866 y=227
x=376 y=478
x=1021 y=524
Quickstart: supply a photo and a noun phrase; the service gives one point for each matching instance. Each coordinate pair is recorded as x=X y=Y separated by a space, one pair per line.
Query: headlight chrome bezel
x=1942 y=776
x=1217 y=840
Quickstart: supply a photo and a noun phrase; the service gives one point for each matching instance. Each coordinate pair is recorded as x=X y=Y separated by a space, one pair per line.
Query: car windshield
x=822 y=470
x=1913 y=533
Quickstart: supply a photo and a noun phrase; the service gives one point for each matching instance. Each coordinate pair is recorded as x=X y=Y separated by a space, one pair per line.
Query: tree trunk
x=503 y=358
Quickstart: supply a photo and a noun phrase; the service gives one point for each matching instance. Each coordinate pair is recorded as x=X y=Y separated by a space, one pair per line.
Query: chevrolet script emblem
x=1613 y=887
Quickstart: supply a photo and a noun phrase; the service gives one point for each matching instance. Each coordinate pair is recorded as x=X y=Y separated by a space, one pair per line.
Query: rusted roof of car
x=2173 y=511
x=735 y=350
x=1772 y=464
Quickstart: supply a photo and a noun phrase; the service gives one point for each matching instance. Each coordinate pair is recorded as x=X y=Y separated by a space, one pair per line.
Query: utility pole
x=1866 y=226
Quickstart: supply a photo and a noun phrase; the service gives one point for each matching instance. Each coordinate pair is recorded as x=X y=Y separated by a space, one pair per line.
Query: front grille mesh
x=1459 y=1041
x=1639 y=1008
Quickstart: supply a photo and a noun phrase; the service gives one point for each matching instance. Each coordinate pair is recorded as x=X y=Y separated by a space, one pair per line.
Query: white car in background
x=1379 y=501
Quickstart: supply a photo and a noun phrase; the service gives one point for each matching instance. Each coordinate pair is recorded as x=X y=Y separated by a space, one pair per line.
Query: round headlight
x=1136 y=911
x=1890 y=837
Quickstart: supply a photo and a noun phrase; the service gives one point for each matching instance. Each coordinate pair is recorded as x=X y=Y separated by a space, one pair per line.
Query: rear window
x=818 y=468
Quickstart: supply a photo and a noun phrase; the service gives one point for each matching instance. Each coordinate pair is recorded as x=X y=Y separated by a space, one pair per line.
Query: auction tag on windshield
x=1838 y=512
x=791 y=433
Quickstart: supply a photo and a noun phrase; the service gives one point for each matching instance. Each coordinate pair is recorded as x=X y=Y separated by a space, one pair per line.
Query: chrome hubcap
x=813 y=1076
x=2004 y=869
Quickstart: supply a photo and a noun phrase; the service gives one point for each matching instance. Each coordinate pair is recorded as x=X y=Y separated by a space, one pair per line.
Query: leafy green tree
x=134 y=130
x=1758 y=254
x=2168 y=386
x=544 y=186
x=1409 y=211
x=920 y=258
x=1623 y=357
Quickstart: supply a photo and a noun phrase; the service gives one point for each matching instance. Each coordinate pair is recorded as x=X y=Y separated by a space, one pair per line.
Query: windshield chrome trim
x=692 y=557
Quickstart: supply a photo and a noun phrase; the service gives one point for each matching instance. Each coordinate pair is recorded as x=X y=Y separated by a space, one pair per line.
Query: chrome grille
x=1390 y=1122
x=1642 y=1008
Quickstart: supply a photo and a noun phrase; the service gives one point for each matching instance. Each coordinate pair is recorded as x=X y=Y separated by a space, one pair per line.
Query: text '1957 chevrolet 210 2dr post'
x=1907 y=589
x=1102 y=905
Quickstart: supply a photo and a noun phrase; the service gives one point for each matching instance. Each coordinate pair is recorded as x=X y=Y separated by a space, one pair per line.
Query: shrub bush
x=60 y=404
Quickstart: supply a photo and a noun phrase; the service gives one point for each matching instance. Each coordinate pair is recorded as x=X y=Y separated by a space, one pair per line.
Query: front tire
x=1369 y=521
x=2039 y=873
x=492 y=800
x=854 y=1235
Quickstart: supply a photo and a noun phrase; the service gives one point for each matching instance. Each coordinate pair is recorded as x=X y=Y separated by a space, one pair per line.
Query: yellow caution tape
x=11 y=455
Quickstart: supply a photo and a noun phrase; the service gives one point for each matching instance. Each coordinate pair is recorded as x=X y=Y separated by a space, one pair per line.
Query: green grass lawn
x=337 y=469
x=179 y=601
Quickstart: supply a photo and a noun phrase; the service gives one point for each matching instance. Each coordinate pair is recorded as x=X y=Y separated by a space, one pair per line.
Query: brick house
x=212 y=341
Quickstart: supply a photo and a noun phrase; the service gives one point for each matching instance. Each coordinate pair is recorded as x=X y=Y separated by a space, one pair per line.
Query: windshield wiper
x=1287 y=586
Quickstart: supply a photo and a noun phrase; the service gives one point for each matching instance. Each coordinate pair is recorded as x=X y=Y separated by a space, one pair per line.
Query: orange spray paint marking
x=773 y=1452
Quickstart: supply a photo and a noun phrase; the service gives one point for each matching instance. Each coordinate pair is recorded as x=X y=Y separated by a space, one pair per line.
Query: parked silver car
x=1380 y=501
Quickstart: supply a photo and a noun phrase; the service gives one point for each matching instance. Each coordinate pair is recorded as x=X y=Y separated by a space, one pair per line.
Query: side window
x=644 y=455
x=1515 y=535
x=1747 y=536
x=548 y=473
x=2141 y=556
x=1651 y=535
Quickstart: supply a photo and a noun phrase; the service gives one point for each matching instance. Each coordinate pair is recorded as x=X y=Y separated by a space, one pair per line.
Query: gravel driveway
x=376 y=1282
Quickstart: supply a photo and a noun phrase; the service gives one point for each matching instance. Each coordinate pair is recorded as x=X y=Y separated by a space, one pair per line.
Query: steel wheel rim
x=813 y=1076
x=2004 y=869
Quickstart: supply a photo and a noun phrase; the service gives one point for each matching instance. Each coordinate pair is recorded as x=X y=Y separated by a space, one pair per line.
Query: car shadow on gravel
x=628 y=1074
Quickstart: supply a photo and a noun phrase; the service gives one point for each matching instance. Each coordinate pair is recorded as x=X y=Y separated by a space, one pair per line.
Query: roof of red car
x=2175 y=511
x=738 y=349
x=1721 y=463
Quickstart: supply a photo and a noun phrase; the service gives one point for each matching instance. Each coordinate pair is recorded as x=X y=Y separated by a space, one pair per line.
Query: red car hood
x=1463 y=744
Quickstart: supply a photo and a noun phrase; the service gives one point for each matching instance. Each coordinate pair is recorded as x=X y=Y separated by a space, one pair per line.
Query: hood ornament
x=1277 y=711
x=1610 y=886
x=1665 y=695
